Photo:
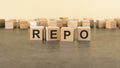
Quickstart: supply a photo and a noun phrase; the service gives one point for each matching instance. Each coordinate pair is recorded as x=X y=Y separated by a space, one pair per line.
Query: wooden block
x=91 y=23
x=33 y=23
x=59 y=23
x=85 y=23
x=67 y=34
x=10 y=24
x=36 y=33
x=84 y=33
x=73 y=23
x=2 y=23
x=64 y=21
x=118 y=22
x=52 y=33
x=24 y=24
x=42 y=22
x=100 y=23
x=52 y=23
x=79 y=23
x=111 y=24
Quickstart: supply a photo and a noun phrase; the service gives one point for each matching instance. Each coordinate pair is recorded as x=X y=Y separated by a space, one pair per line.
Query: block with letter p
x=84 y=34
x=52 y=33
x=67 y=34
x=37 y=33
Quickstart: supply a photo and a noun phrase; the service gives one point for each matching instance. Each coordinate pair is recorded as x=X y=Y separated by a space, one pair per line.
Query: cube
x=85 y=23
x=111 y=24
x=52 y=33
x=24 y=24
x=64 y=21
x=73 y=23
x=42 y=22
x=52 y=23
x=36 y=33
x=100 y=23
x=32 y=23
x=10 y=24
x=91 y=21
x=67 y=34
x=118 y=22
x=59 y=23
x=84 y=33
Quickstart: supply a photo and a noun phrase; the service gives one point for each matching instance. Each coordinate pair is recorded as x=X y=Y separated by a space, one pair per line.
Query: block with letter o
x=84 y=33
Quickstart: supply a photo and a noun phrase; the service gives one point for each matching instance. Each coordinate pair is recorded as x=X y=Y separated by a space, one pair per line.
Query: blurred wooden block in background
x=2 y=23
x=91 y=22
x=85 y=23
x=73 y=23
x=64 y=21
x=52 y=33
x=118 y=22
x=52 y=23
x=24 y=24
x=36 y=33
x=32 y=23
x=42 y=22
x=10 y=24
x=111 y=24
x=59 y=23
x=67 y=34
x=100 y=23
x=84 y=33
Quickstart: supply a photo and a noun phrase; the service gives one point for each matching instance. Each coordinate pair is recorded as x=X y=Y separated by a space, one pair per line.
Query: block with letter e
x=52 y=33
x=67 y=34
x=37 y=33
x=84 y=33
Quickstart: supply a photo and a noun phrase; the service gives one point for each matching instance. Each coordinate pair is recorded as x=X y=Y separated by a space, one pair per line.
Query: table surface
x=18 y=51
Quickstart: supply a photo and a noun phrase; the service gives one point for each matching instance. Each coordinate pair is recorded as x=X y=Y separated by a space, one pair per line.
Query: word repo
x=60 y=34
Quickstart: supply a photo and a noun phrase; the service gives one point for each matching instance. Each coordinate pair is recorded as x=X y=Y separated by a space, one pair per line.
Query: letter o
x=84 y=36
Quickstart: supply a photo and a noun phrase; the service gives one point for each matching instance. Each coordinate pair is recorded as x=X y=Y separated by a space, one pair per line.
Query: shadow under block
x=2 y=22
x=67 y=34
x=24 y=25
x=37 y=33
x=84 y=33
x=85 y=23
x=73 y=23
x=52 y=33
x=10 y=24
x=111 y=24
